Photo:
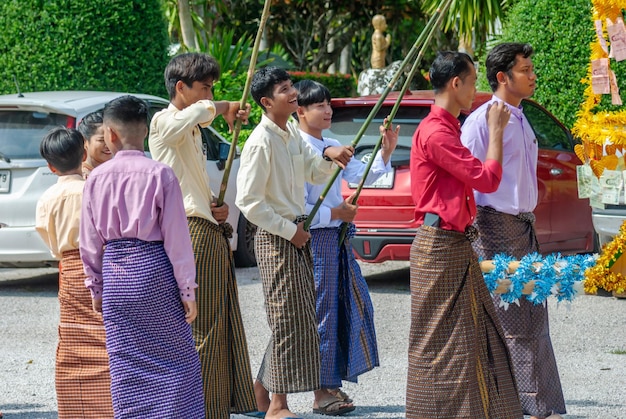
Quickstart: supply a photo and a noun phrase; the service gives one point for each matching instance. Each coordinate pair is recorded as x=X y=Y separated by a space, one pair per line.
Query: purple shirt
x=135 y=197
x=518 y=189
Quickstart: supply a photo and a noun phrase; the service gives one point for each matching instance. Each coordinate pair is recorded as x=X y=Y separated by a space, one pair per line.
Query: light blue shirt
x=517 y=192
x=352 y=173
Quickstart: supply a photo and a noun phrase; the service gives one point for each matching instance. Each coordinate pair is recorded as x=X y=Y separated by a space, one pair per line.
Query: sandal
x=341 y=395
x=332 y=407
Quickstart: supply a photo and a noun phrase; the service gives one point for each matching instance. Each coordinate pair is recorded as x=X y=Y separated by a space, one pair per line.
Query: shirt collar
x=313 y=140
x=69 y=178
x=517 y=111
x=129 y=153
x=269 y=124
x=443 y=113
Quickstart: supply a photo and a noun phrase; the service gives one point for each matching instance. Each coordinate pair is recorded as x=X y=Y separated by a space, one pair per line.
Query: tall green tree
x=473 y=21
x=116 y=45
x=312 y=34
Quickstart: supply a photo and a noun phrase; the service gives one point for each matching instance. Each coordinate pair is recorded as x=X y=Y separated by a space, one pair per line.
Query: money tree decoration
x=602 y=126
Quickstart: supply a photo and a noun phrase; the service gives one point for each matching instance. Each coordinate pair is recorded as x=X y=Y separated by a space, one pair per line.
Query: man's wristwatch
x=324 y=154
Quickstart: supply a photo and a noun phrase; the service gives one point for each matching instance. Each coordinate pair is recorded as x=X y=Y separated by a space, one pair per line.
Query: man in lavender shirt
x=505 y=222
x=137 y=254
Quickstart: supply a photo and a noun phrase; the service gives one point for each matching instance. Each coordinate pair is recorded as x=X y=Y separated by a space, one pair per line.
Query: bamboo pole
x=430 y=26
x=242 y=103
x=440 y=15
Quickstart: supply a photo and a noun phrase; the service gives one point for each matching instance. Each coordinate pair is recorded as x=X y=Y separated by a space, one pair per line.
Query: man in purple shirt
x=506 y=224
x=136 y=249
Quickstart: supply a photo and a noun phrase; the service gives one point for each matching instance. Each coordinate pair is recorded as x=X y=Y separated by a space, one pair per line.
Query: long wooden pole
x=242 y=103
x=440 y=14
x=430 y=26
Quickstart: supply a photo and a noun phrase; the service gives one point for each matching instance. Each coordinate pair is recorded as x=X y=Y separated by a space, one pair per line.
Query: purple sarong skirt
x=155 y=370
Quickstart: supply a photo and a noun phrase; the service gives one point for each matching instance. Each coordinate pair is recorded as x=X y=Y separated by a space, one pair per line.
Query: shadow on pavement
x=26 y=411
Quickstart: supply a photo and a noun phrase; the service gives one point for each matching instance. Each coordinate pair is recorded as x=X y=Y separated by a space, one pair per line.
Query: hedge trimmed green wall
x=118 y=45
x=560 y=34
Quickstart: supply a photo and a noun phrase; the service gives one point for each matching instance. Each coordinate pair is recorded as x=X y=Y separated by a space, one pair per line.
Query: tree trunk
x=345 y=59
x=465 y=45
x=186 y=26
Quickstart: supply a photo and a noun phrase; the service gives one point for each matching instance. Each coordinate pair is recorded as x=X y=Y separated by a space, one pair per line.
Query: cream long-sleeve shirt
x=175 y=140
x=275 y=164
x=58 y=214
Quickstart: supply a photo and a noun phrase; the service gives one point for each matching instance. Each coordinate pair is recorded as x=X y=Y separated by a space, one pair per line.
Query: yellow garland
x=597 y=128
x=600 y=276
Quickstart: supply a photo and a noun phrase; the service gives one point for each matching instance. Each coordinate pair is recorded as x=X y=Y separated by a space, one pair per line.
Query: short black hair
x=310 y=92
x=264 y=80
x=90 y=124
x=63 y=148
x=447 y=65
x=190 y=67
x=126 y=109
x=503 y=58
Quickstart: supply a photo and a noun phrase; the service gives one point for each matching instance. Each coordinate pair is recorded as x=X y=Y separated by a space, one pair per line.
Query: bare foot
x=337 y=392
x=280 y=414
x=262 y=397
x=327 y=404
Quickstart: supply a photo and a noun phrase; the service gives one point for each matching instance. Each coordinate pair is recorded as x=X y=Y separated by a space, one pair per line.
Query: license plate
x=5 y=181
x=383 y=182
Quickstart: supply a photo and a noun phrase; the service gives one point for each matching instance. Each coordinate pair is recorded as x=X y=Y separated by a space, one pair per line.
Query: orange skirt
x=83 y=384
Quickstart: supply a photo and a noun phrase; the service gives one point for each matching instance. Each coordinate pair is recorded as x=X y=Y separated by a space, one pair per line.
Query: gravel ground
x=589 y=338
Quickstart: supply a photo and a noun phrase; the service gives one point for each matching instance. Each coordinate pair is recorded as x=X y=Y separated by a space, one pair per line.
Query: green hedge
x=561 y=37
x=340 y=85
x=118 y=45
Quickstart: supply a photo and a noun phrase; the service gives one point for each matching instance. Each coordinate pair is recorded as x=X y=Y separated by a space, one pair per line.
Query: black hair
x=63 y=148
x=447 y=65
x=263 y=82
x=190 y=67
x=126 y=109
x=90 y=124
x=503 y=58
x=310 y=92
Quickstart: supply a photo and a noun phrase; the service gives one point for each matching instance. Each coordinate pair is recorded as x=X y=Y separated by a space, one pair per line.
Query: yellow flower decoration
x=604 y=274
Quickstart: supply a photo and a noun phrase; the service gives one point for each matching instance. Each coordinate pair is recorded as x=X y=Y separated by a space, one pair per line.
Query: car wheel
x=244 y=256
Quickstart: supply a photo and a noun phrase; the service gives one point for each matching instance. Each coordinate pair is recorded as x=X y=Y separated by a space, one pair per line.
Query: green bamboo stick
x=430 y=27
x=392 y=114
x=242 y=103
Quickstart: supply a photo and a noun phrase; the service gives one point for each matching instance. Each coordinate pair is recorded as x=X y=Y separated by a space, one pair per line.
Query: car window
x=210 y=144
x=347 y=122
x=550 y=134
x=154 y=107
x=22 y=131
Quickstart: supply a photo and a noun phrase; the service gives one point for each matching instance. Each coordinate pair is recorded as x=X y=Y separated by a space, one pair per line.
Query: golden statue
x=380 y=42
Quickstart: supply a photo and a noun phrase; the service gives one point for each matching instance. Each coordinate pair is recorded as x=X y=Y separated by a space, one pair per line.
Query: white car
x=24 y=175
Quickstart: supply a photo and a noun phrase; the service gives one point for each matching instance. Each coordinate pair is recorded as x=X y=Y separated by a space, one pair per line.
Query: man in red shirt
x=459 y=365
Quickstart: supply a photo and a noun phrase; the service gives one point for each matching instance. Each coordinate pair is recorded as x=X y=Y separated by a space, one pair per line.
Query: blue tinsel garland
x=553 y=274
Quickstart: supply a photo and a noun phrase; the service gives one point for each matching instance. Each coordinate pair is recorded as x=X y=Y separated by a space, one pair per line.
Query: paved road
x=589 y=337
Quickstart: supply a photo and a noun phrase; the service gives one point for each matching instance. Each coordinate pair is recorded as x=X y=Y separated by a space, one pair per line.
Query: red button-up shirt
x=444 y=172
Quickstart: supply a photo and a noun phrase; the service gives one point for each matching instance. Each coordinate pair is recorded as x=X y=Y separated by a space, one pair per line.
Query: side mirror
x=224 y=150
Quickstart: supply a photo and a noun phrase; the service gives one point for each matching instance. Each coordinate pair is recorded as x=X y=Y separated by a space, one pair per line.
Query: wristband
x=324 y=156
